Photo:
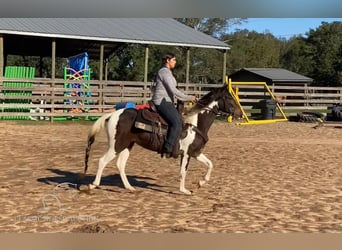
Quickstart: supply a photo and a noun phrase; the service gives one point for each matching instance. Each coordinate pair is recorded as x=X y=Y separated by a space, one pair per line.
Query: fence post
x=224 y=66
x=306 y=91
x=145 y=75
x=1 y=56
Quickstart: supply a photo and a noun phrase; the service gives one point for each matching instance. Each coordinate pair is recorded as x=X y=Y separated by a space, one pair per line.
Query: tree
x=206 y=64
x=318 y=55
x=326 y=44
x=216 y=27
x=252 y=49
x=297 y=56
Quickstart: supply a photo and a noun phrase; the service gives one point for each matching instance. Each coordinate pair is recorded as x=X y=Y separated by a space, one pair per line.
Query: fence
x=48 y=97
x=292 y=99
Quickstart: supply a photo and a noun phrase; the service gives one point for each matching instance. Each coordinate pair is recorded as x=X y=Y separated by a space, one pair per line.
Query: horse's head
x=220 y=101
x=227 y=104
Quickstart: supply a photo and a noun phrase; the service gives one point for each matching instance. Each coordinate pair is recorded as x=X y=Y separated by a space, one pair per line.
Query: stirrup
x=166 y=155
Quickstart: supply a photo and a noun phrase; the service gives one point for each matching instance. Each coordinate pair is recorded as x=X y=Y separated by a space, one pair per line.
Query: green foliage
x=318 y=55
x=42 y=65
x=206 y=64
x=296 y=56
x=252 y=49
x=216 y=27
x=326 y=44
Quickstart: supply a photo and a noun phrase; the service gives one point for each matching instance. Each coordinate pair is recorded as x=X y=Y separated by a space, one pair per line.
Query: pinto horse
x=122 y=135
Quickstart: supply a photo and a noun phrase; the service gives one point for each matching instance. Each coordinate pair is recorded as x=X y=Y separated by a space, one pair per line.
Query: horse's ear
x=224 y=87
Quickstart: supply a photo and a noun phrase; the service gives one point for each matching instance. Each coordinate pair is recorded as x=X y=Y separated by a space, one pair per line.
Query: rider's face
x=171 y=63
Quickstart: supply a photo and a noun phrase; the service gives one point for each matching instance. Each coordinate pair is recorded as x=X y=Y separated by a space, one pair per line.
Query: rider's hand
x=193 y=98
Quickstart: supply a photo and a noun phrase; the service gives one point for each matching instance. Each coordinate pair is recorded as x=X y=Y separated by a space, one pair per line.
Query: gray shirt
x=166 y=87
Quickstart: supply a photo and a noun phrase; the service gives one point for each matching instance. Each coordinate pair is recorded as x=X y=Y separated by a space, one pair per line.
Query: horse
x=122 y=134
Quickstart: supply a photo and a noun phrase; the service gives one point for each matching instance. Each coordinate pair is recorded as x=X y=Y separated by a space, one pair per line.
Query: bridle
x=215 y=110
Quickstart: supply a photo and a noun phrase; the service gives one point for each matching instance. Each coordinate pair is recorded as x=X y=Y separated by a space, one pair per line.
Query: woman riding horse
x=163 y=99
x=122 y=135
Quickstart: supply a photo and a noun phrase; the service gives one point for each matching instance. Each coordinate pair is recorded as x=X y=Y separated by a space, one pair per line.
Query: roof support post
x=187 y=69
x=146 y=73
x=53 y=59
x=1 y=56
x=101 y=75
x=224 y=68
x=106 y=70
x=101 y=62
x=187 y=72
x=53 y=75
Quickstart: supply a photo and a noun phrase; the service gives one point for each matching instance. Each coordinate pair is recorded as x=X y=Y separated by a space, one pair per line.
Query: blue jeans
x=170 y=114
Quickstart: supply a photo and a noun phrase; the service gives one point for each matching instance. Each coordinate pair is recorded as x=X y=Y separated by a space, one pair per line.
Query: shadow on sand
x=109 y=180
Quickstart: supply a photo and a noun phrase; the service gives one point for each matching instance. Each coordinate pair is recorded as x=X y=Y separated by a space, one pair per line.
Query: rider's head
x=169 y=60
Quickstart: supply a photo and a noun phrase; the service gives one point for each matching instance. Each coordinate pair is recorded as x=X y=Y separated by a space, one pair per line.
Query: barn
x=272 y=76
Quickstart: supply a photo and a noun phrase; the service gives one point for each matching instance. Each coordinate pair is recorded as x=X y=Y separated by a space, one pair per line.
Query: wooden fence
x=292 y=99
x=49 y=98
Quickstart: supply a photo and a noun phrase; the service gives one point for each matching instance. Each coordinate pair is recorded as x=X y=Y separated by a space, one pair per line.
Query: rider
x=163 y=98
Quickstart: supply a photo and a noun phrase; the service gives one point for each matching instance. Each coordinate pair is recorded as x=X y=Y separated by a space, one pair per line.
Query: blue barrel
x=127 y=105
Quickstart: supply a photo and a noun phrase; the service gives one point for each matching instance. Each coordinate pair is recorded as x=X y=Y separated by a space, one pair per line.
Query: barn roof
x=158 y=31
x=278 y=75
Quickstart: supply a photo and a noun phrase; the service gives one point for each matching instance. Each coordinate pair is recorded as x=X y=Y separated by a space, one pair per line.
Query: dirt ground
x=279 y=177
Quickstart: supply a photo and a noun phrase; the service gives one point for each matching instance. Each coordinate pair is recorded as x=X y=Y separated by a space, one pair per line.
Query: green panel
x=18 y=72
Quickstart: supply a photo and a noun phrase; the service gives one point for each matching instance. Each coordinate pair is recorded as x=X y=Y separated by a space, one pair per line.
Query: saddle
x=149 y=120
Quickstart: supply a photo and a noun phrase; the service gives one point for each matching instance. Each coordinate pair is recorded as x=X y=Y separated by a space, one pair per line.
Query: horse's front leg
x=202 y=158
x=183 y=170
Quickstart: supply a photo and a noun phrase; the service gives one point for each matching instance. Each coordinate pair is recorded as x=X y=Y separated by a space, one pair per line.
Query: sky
x=283 y=27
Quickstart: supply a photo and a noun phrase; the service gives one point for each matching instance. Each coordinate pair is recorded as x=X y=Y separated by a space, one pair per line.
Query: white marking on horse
x=185 y=144
x=110 y=154
x=209 y=107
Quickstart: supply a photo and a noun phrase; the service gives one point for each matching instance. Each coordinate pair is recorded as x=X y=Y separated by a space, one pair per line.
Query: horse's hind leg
x=108 y=156
x=202 y=158
x=121 y=164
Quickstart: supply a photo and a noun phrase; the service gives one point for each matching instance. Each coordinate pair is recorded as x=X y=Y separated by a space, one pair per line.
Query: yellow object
x=230 y=119
x=235 y=95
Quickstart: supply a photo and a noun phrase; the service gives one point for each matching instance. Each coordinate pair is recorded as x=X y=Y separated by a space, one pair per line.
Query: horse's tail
x=95 y=129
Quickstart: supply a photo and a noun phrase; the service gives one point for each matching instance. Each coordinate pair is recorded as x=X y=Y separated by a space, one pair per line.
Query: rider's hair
x=167 y=56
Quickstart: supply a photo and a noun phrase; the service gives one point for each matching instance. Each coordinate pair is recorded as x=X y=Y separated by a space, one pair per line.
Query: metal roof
x=161 y=31
x=279 y=75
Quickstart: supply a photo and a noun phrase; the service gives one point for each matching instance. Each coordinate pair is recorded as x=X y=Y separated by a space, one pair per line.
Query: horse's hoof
x=131 y=189
x=187 y=192
x=83 y=188
x=201 y=183
x=92 y=186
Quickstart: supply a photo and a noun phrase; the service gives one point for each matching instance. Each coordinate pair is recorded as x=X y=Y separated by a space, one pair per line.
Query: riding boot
x=166 y=152
x=176 y=150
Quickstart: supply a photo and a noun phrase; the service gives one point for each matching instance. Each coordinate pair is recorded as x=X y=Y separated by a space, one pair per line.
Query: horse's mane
x=205 y=100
